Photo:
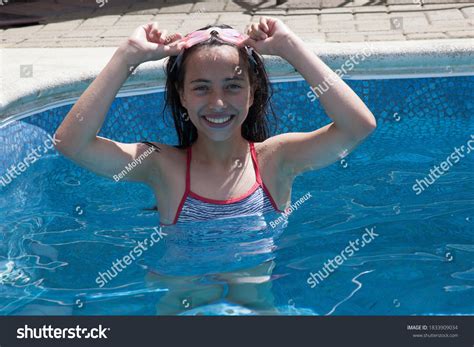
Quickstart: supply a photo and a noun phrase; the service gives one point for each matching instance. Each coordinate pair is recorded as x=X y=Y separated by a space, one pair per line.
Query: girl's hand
x=269 y=36
x=148 y=43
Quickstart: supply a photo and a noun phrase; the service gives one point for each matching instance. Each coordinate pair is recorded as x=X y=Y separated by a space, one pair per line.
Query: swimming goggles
x=227 y=35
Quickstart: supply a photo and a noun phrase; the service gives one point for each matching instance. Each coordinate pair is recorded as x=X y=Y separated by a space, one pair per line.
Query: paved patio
x=106 y=23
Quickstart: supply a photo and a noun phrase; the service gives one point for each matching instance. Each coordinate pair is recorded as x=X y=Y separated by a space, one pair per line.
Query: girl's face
x=216 y=93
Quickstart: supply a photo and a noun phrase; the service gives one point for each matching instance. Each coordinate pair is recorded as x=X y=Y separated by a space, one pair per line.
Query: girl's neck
x=222 y=153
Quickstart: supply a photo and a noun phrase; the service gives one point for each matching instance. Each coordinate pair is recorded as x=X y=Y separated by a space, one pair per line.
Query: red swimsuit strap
x=255 y=163
x=259 y=177
x=187 y=186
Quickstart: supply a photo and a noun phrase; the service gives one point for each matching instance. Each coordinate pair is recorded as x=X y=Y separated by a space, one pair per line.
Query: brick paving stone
x=298 y=11
x=84 y=33
x=151 y=11
x=339 y=37
x=117 y=32
x=134 y=18
x=336 y=17
x=100 y=21
x=66 y=25
x=38 y=43
x=368 y=9
x=313 y=20
x=468 y=11
x=233 y=7
x=374 y=25
x=47 y=34
x=461 y=34
x=22 y=31
x=338 y=10
x=108 y=42
x=451 y=24
x=235 y=16
x=444 y=15
x=338 y=28
x=75 y=43
x=390 y=37
x=426 y=36
x=410 y=15
x=407 y=29
x=181 y=8
x=371 y=16
x=209 y=6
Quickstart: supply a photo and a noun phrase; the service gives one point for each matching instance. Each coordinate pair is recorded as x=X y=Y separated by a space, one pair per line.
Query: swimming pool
x=62 y=226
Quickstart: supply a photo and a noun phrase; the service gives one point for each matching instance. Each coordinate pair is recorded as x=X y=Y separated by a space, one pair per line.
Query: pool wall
x=400 y=106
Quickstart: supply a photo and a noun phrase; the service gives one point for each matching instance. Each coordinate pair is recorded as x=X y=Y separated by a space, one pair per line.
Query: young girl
x=226 y=163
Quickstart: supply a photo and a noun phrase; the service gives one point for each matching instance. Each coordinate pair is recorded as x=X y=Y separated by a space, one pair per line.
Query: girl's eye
x=200 y=88
x=235 y=86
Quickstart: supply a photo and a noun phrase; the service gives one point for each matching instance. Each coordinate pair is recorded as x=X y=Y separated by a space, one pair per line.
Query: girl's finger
x=162 y=36
x=173 y=37
x=264 y=24
x=255 y=33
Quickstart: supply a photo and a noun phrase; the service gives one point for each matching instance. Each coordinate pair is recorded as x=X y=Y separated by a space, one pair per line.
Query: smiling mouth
x=219 y=121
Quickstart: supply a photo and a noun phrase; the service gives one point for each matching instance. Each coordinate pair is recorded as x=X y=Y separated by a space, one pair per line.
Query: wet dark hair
x=255 y=127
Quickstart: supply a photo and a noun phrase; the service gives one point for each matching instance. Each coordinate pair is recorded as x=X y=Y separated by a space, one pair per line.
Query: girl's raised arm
x=352 y=120
x=77 y=134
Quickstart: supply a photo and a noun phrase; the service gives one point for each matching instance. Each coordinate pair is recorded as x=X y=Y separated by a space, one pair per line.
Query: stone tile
x=299 y=11
x=75 y=43
x=369 y=9
x=371 y=16
x=150 y=11
x=339 y=37
x=375 y=25
x=108 y=42
x=336 y=17
x=338 y=28
x=461 y=34
x=233 y=7
x=117 y=33
x=418 y=29
x=66 y=25
x=209 y=7
x=38 y=44
x=99 y=21
x=444 y=15
x=386 y=37
x=84 y=33
x=426 y=36
x=181 y=8
x=22 y=31
x=47 y=34
x=450 y=24
x=235 y=17
x=135 y=18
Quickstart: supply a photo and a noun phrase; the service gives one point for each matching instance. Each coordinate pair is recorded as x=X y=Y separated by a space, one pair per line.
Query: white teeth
x=218 y=120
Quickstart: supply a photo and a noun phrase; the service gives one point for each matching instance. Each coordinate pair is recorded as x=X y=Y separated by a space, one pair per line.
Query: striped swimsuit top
x=194 y=207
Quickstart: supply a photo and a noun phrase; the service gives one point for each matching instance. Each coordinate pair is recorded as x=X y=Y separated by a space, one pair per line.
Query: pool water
x=61 y=226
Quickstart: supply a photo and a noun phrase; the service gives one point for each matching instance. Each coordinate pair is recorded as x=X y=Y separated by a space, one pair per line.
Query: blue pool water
x=61 y=225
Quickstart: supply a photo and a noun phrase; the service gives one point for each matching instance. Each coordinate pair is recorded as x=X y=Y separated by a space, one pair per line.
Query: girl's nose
x=217 y=101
